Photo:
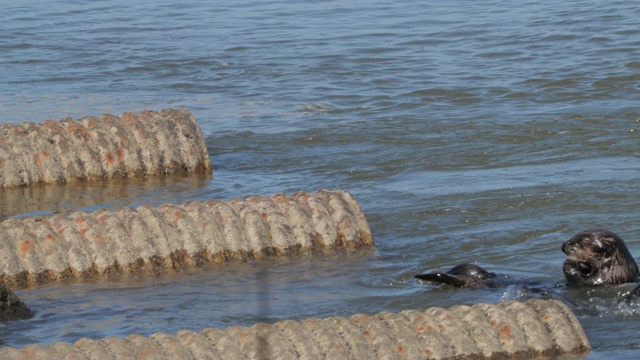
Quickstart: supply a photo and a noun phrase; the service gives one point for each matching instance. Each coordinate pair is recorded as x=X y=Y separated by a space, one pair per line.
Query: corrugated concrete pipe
x=48 y=248
x=513 y=330
x=149 y=143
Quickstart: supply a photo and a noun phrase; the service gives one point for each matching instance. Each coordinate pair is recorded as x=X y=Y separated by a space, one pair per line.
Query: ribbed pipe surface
x=149 y=143
x=510 y=329
x=47 y=248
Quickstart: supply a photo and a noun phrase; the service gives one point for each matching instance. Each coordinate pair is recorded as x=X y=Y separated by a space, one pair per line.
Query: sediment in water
x=149 y=143
x=535 y=328
x=41 y=249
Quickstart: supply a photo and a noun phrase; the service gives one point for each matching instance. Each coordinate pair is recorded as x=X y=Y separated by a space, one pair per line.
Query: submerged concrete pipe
x=47 y=248
x=535 y=328
x=149 y=143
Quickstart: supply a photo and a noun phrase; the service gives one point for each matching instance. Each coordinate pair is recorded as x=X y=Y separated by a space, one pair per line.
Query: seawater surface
x=486 y=132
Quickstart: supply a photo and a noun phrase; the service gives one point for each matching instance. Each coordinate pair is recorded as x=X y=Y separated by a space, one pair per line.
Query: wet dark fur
x=598 y=257
x=462 y=275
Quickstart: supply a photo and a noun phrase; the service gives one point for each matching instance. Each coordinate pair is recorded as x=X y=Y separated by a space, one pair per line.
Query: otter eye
x=584 y=268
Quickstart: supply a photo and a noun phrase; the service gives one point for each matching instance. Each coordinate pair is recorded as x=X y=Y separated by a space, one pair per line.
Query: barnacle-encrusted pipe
x=46 y=248
x=149 y=143
x=531 y=329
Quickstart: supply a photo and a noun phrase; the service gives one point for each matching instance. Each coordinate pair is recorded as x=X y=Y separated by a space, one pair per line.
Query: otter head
x=598 y=257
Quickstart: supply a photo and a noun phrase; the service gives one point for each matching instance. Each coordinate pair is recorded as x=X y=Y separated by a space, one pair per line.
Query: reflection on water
x=88 y=196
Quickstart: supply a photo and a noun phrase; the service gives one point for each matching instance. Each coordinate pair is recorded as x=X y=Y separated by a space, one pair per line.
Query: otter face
x=598 y=257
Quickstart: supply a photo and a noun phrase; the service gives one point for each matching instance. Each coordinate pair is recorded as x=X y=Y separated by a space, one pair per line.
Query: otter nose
x=563 y=247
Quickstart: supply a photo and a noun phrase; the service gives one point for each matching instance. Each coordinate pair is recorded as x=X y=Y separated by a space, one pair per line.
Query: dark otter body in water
x=462 y=275
x=598 y=257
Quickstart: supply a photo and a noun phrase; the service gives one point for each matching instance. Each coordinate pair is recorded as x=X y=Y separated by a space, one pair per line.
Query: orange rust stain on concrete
x=50 y=237
x=120 y=153
x=177 y=215
x=400 y=349
x=45 y=154
x=26 y=246
x=80 y=130
x=493 y=323
x=125 y=141
x=1 y=162
x=38 y=162
x=110 y=159
x=80 y=220
x=506 y=333
x=147 y=352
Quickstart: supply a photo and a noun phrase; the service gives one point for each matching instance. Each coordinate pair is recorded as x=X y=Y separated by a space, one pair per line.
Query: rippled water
x=483 y=132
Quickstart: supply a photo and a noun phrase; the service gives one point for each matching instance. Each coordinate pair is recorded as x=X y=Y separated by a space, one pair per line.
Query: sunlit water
x=484 y=132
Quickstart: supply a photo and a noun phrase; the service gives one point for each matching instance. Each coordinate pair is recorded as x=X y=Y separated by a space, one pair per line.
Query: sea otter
x=595 y=257
x=463 y=275
x=598 y=257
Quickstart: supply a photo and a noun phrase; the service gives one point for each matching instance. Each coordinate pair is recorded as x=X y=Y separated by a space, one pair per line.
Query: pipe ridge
x=358 y=215
x=101 y=134
x=253 y=227
x=197 y=345
x=25 y=244
x=128 y=163
x=47 y=168
x=402 y=333
x=531 y=325
x=141 y=139
x=348 y=237
x=274 y=345
x=353 y=336
x=22 y=152
x=481 y=330
x=556 y=317
x=145 y=225
x=11 y=263
x=101 y=251
x=226 y=345
x=170 y=346
x=250 y=343
x=376 y=334
x=190 y=140
x=190 y=248
x=209 y=228
x=55 y=263
x=163 y=141
x=298 y=221
x=326 y=234
x=60 y=145
x=281 y=239
x=456 y=336
x=326 y=338
x=436 y=345
x=83 y=148
x=118 y=239
x=299 y=338
x=234 y=244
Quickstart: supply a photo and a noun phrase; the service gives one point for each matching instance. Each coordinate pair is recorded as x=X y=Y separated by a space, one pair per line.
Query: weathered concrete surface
x=149 y=143
x=514 y=330
x=12 y=307
x=48 y=248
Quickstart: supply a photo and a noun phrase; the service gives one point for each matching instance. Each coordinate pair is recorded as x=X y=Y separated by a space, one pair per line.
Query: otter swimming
x=598 y=257
x=594 y=258
x=462 y=275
